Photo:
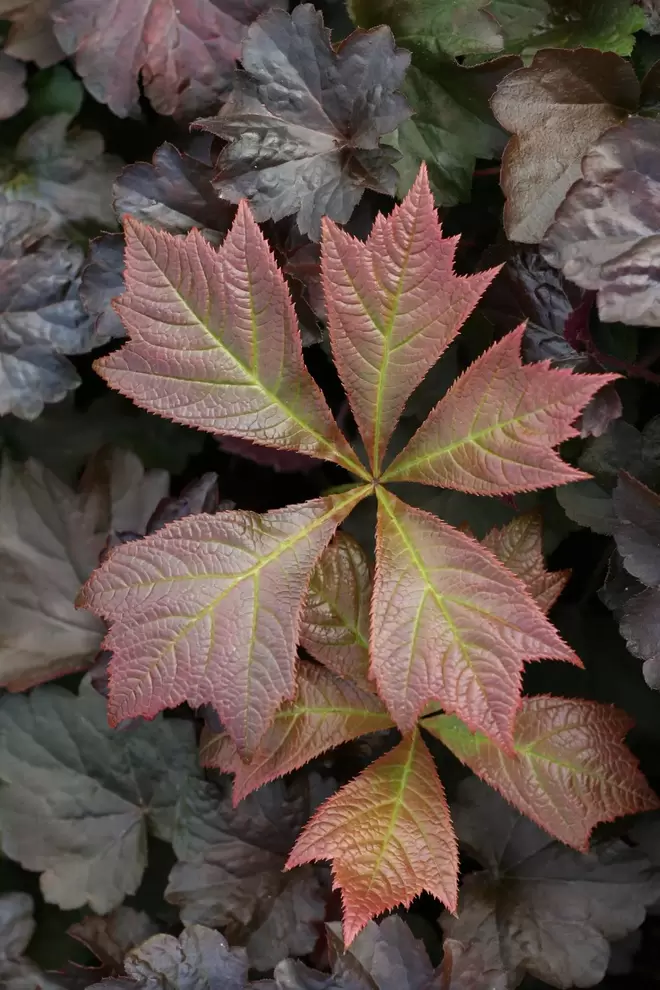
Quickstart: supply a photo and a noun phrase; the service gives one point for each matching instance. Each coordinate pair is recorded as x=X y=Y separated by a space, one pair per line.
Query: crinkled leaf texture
x=494 y=431
x=326 y=712
x=522 y=913
x=519 y=546
x=17 y=926
x=451 y=624
x=80 y=796
x=570 y=769
x=214 y=341
x=211 y=609
x=316 y=116
x=335 y=619
x=230 y=869
x=199 y=959
x=183 y=50
x=606 y=234
x=394 y=306
x=208 y=610
x=388 y=834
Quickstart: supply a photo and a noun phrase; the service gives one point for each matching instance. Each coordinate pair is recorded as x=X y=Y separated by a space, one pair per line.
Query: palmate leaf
x=389 y=835
x=570 y=769
x=326 y=712
x=214 y=343
x=494 y=431
x=207 y=611
x=394 y=305
x=451 y=624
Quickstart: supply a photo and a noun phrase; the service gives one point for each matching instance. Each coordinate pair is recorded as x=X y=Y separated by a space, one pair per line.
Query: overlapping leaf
x=41 y=318
x=522 y=912
x=394 y=305
x=556 y=108
x=570 y=770
x=17 y=971
x=31 y=37
x=388 y=834
x=183 y=50
x=230 y=869
x=326 y=712
x=606 y=235
x=316 y=118
x=50 y=540
x=80 y=795
x=335 y=619
x=519 y=545
x=214 y=342
x=451 y=624
x=494 y=431
x=208 y=611
x=529 y=25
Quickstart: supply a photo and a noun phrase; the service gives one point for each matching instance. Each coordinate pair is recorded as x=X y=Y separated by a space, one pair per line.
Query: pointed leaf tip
x=451 y=624
x=389 y=835
x=394 y=305
x=207 y=610
x=214 y=341
x=495 y=430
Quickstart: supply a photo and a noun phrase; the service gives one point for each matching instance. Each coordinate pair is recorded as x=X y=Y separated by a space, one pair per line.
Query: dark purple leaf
x=102 y=281
x=606 y=234
x=173 y=193
x=201 y=495
x=304 y=122
x=109 y=937
x=637 y=529
x=183 y=50
x=229 y=873
x=604 y=408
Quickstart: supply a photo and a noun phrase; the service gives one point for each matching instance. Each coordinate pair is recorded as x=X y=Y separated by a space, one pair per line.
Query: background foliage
x=124 y=860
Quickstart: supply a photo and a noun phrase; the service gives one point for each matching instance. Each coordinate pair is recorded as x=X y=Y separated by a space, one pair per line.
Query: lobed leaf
x=637 y=529
x=451 y=624
x=214 y=341
x=520 y=914
x=556 y=108
x=394 y=305
x=207 y=610
x=316 y=118
x=389 y=835
x=570 y=769
x=184 y=50
x=230 y=875
x=326 y=712
x=335 y=621
x=519 y=545
x=606 y=233
x=80 y=796
x=494 y=430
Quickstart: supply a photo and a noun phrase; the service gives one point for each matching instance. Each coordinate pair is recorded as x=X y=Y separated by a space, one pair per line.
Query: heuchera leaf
x=556 y=108
x=326 y=712
x=208 y=609
x=79 y=795
x=230 y=870
x=450 y=624
x=389 y=835
x=570 y=769
x=214 y=341
x=183 y=49
x=335 y=620
x=519 y=545
x=494 y=431
x=606 y=233
x=521 y=913
x=316 y=118
x=394 y=305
